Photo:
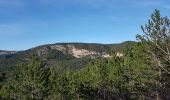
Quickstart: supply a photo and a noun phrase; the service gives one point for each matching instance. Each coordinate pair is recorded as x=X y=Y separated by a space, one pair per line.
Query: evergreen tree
x=140 y=72
x=30 y=82
x=157 y=39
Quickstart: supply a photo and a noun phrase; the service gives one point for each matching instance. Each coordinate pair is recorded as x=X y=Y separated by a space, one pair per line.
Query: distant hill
x=7 y=54
x=62 y=55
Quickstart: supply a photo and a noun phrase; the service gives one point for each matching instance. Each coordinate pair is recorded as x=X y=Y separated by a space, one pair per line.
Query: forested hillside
x=80 y=71
x=62 y=54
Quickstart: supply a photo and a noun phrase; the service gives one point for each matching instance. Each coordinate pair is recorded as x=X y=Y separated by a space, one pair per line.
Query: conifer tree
x=30 y=82
x=156 y=38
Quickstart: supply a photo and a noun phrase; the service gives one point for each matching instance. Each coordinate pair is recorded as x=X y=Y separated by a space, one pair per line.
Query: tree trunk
x=78 y=97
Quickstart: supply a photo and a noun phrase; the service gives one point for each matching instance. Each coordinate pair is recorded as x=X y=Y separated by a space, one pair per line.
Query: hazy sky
x=28 y=23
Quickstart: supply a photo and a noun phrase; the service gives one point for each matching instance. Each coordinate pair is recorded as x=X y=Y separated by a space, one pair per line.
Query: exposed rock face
x=58 y=47
x=119 y=54
x=7 y=52
x=42 y=51
x=79 y=53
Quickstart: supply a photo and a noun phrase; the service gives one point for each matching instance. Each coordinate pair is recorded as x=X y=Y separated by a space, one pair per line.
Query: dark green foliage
x=157 y=39
x=142 y=73
x=55 y=55
x=58 y=55
x=29 y=81
x=130 y=77
x=57 y=59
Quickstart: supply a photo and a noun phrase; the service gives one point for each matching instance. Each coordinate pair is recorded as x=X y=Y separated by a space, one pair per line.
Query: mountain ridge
x=75 y=49
x=63 y=55
x=63 y=43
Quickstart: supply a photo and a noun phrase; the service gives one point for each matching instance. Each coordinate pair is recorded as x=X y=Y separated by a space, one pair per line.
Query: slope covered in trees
x=142 y=73
x=55 y=58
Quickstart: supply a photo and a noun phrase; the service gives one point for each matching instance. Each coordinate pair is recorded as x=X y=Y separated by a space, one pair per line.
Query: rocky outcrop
x=118 y=54
x=8 y=52
x=78 y=53
x=42 y=51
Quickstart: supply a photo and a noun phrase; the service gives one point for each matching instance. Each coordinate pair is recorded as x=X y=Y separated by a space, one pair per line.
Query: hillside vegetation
x=54 y=56
x=80 y=71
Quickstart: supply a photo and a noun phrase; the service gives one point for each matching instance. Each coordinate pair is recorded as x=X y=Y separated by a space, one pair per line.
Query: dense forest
x=142 y=73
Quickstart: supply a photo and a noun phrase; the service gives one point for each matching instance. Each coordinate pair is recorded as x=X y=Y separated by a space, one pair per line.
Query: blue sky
x=29 y=23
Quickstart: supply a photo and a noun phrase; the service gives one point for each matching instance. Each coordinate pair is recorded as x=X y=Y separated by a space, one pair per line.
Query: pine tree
x=30 y=81
x=156 y=38
x=140 y=72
